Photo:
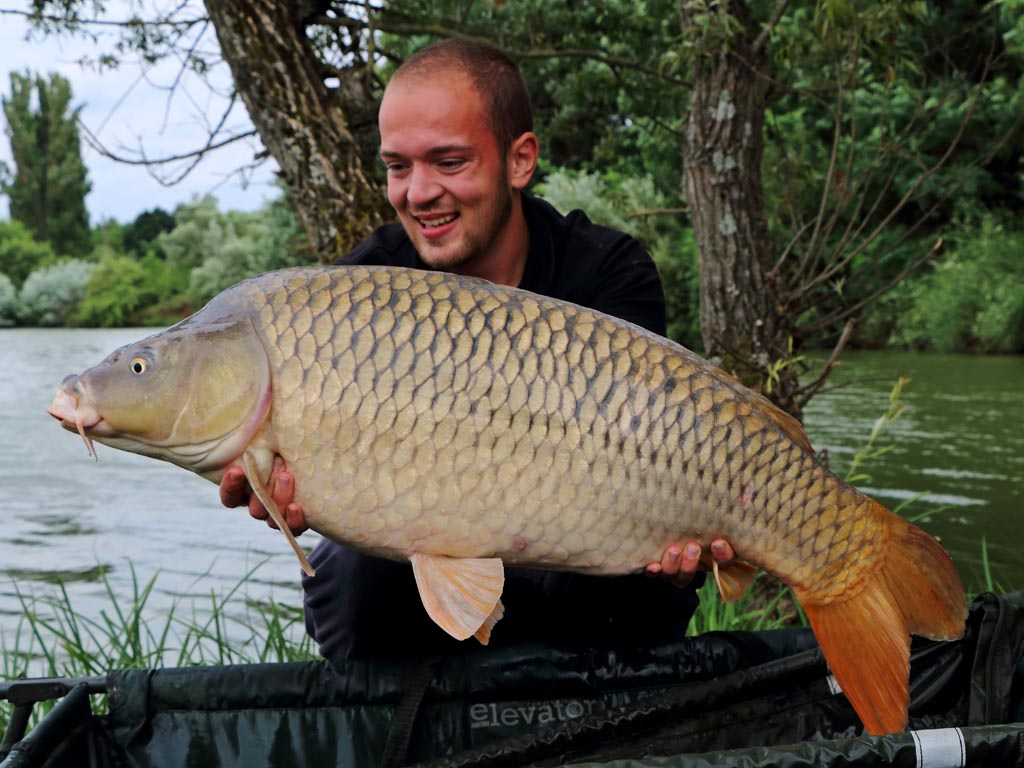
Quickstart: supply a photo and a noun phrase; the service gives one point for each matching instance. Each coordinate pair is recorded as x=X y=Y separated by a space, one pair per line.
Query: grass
x=53 y=639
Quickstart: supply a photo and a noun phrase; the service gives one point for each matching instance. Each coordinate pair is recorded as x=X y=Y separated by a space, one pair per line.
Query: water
x=958 y=445
x=66 y=518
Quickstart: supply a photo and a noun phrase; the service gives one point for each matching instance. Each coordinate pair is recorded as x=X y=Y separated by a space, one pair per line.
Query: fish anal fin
x=461 y=595
x=733 y=580
x=252 y=474
x=914 y=589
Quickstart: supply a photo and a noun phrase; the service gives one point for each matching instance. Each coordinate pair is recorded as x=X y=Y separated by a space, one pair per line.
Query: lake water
x=66 y=517
x=959 y=443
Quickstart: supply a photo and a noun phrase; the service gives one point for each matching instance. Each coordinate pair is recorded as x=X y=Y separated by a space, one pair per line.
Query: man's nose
x=423 y=187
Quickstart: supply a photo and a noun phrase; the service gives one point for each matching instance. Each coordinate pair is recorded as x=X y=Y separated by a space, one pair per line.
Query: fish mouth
x=68 y=409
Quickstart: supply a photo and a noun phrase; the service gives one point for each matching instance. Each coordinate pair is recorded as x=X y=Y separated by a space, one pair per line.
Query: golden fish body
x=459 y=424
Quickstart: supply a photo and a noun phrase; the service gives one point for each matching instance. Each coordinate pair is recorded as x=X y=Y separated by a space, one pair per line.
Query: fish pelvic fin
x=252 y=474
x=733 y=580
x=461 y=595
x=866 y=637
x=484 y=633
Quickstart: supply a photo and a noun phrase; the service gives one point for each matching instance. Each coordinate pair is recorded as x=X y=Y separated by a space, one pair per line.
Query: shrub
x=973 y=299
x=8 y=302
x=51 y=295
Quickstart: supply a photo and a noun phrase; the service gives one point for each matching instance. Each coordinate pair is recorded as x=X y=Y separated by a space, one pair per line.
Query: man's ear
x=522 y=160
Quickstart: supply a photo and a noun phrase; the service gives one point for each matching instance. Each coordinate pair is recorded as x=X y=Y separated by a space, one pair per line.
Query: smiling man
x=457 y=138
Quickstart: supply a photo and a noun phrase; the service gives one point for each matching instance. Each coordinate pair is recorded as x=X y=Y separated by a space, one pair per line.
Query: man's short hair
x=493 y=74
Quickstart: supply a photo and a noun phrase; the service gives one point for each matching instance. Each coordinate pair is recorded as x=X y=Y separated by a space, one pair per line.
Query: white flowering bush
x=8 y=302
x=50 y=296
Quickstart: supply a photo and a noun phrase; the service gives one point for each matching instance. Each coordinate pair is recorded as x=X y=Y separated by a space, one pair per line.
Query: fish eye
x=142 y=360
x=139 y=365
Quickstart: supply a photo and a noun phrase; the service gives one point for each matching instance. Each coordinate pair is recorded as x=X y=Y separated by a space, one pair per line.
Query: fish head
x=193 y=395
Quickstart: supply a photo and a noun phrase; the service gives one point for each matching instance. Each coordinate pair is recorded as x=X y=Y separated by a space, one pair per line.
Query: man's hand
x=679 y=564
x=234 y=492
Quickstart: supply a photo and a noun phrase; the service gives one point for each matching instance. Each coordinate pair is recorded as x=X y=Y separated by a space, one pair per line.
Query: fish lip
x=66 y=409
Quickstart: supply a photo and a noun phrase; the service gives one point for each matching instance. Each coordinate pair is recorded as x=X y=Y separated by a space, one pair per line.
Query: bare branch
x=441 y=30
x=95 y=143
x=773 y=22
x=807 y=392
x=133 y=22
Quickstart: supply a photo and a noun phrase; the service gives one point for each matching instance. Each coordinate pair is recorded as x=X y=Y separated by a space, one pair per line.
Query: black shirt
x=359 y=606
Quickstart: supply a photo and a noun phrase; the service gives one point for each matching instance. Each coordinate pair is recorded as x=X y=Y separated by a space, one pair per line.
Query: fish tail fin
x=864 y=630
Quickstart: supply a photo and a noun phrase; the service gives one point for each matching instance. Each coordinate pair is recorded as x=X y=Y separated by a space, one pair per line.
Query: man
x=457 y=139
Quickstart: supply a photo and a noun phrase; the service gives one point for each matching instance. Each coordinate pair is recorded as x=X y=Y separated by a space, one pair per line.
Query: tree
x=20 y=254
x=48 y=189
x=853 y=119
x=141 y=233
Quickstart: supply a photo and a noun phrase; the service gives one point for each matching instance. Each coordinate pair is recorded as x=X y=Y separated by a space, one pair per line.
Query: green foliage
x=8 y=302
x=20 y=253
x=47 y=193
x=49 y=295
x=141 y=233
x=54 y=639
x=972 y=300
x=869 y=451
x=634 y=205
x=117 y=290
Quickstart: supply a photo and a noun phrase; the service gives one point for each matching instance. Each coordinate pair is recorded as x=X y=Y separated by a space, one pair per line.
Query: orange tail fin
x=866 y=638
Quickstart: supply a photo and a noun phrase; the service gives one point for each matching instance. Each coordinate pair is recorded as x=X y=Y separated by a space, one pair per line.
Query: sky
x=128 y=109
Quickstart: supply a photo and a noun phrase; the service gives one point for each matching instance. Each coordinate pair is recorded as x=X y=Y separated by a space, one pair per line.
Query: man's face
x=447 y=179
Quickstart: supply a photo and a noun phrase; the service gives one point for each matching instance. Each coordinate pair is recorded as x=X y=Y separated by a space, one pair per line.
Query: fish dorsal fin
x=461 y=595
x=733 y=580
x=787 y=422
x=252 y=474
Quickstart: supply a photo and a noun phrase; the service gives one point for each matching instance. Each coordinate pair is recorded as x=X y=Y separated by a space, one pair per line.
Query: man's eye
x=452 y=165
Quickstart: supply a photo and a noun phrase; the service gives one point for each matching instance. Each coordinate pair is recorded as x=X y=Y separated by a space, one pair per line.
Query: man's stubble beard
x=477 y=246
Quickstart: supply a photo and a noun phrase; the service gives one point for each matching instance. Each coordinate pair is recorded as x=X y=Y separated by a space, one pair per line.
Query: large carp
x=463 y=426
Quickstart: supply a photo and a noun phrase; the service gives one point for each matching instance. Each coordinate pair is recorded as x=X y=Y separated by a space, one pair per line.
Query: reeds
x=54 y=639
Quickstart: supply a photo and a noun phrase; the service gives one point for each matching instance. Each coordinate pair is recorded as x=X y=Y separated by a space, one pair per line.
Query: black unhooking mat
x=723 y=699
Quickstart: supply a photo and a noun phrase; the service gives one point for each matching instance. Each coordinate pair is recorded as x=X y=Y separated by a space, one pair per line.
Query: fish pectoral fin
x=733 y=580
x=461 y=595
x=263 y=494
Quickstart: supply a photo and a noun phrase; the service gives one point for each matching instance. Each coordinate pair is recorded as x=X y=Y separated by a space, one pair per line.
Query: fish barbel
x=463 y=426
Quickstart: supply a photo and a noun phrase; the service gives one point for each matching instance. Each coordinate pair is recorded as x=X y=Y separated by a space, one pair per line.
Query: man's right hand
x=235 y=492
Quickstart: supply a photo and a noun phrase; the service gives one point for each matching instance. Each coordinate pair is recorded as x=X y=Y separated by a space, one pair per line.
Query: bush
x=8 y=302
x=51 y=295
x=635 y=206
x=20 y=253
x=973 y=299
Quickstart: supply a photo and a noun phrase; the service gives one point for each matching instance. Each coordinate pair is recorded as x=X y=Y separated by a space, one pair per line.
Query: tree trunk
x=323 y=163
x=742 y=320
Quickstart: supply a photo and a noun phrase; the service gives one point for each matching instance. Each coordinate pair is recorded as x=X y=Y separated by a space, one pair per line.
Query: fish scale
x=458 y=346
x=463 y=426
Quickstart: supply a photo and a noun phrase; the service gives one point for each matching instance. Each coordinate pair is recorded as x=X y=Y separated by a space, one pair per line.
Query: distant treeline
x=163 y=266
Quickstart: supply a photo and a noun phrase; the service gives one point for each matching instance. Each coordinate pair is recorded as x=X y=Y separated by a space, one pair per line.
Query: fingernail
x=673 y=555
x=284 y=483
x=692 y=551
